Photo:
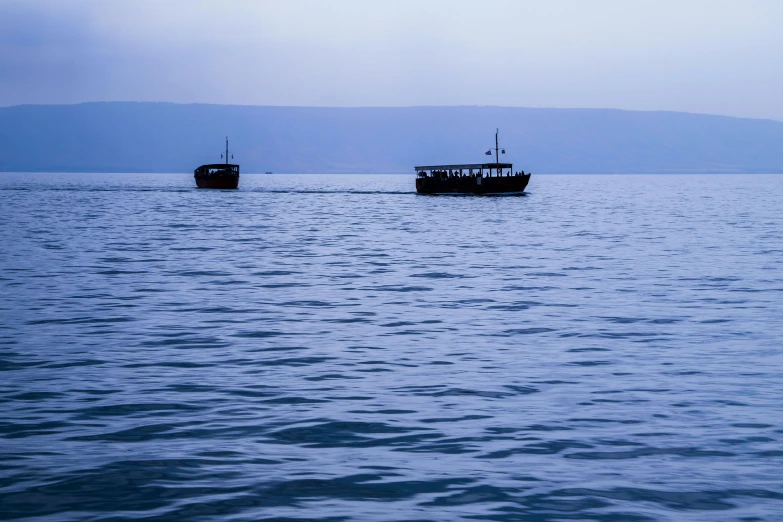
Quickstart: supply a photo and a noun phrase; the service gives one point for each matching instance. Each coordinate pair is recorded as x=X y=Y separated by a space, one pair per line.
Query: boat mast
x=496 y=152
x=226 y=150
x=496 y=146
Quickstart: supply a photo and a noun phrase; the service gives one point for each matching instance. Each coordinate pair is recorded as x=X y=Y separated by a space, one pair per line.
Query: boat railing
x=470 y=170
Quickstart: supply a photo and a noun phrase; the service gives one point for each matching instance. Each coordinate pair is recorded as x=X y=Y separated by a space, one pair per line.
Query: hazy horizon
x=175 y=138
x=390 y=107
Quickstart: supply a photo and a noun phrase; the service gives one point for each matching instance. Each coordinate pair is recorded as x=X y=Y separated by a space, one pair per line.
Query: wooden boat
x=471 y=178
x=218 y=175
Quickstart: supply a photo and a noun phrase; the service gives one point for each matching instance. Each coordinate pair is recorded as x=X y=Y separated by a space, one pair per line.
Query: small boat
x=218 y=175
x=471 y=178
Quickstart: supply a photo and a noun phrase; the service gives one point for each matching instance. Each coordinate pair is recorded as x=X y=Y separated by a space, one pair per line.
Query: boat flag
x=488 y=153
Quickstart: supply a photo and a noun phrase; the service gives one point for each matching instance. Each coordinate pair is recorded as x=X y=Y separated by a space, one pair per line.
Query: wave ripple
x=607 y=348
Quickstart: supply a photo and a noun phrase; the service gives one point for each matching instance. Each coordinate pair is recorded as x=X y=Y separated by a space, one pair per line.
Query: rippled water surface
x=604 y=348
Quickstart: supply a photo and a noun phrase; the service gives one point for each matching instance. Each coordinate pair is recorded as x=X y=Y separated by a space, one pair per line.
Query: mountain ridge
x=170 y=137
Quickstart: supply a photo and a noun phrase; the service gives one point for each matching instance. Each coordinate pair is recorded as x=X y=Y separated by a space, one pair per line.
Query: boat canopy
x=222 y=166
x=476 y=166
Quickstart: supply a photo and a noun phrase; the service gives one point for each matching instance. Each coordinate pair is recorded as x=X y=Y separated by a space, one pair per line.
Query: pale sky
x=708 y=56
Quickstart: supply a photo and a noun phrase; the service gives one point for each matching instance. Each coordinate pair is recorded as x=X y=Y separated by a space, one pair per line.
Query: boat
x=472 y=178
x=218 y=175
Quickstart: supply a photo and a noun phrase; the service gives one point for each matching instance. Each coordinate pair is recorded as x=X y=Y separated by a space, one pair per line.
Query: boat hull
x=218 y=182
x=472 y=184
x=217 y=176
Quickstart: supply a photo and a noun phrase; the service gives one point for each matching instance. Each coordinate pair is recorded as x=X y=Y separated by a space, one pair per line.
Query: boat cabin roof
x=465 y=166
x=219 y=166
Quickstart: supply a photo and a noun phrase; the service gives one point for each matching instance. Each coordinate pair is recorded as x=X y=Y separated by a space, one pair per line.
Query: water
x=605 y=348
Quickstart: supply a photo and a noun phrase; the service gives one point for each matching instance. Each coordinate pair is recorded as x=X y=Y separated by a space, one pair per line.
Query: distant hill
x=166 y=137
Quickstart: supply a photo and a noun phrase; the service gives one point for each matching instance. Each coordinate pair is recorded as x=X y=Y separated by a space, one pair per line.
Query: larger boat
x=218 y=175
x=471 y=178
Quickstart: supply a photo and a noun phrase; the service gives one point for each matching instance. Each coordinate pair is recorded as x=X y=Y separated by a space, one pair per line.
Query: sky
x=705 y=56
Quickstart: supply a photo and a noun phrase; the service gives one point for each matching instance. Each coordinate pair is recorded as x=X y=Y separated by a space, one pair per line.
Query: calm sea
x=603 y=348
